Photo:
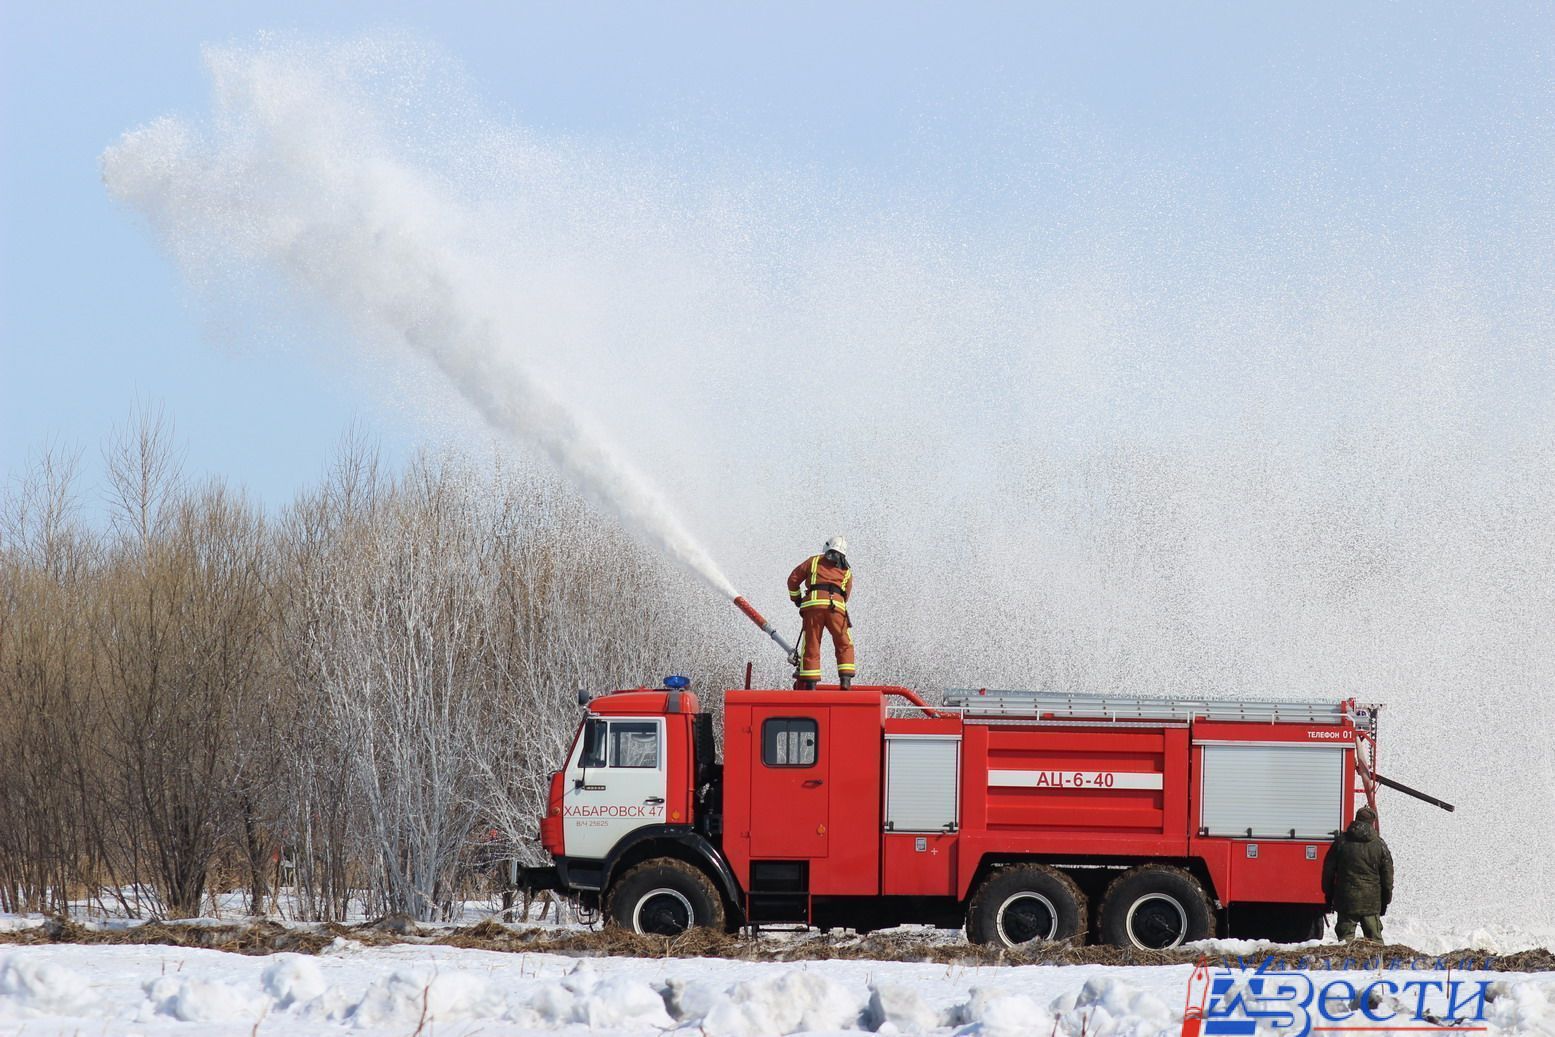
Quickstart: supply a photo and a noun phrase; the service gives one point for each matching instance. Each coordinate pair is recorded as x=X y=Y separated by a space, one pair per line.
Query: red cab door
x=790 y=793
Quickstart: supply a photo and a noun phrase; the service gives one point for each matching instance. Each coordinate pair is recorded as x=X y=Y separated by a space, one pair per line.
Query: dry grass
x=238 y=938
x=270 y=937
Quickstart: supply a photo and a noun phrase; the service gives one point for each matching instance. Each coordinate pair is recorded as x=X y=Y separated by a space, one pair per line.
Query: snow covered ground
x=445 y=992
x=430 y=991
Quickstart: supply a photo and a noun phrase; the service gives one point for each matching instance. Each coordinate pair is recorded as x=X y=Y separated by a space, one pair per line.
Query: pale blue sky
x=1420 y=114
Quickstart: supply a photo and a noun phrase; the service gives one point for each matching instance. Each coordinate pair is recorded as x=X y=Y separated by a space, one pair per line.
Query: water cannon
x=767 y=628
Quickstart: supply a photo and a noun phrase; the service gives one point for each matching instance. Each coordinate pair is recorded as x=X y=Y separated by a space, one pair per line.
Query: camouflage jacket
x=1358 y=872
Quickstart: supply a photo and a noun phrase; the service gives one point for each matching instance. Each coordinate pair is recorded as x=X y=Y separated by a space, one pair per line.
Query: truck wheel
x=1023 y=903
x=664 y=897
x=1154 y=908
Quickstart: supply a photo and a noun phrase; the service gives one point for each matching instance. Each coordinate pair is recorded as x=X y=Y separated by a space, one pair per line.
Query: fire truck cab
x=1017 y=815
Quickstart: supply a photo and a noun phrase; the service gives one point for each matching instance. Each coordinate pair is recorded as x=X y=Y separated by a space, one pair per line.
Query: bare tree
x=46 y=758
x=179 y=619
x=330 y=705
x=404 y=621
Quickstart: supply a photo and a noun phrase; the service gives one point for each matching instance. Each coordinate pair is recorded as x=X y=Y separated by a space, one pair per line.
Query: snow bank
x=18 y=923
x=1431 y=937
x=35 y=987
x=998 y=1013
x=293 y=979
x=374 y=992
x=1427 y=937
x=1109 y=1007
x=1249 y=948
x=1104 y=1006
x=160 y=991
x=408 y=999
x=608 y=1002
x=788 y=1002
x=192 y=1000
x=1523 y=1007
x=895 y=1008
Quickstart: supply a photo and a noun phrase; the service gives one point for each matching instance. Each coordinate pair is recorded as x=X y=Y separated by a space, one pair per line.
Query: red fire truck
x=1020 y=815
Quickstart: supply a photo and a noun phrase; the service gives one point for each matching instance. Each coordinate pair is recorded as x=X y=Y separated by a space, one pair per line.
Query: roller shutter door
x=922 y=792
x=1273 y=790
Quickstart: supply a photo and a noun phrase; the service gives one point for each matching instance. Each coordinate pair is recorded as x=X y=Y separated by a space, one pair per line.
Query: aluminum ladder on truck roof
x=1061 y=705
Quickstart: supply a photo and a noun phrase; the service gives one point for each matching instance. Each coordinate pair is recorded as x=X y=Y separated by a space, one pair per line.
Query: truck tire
x=1025 y=902
x=664 y=897
x=1155 y=907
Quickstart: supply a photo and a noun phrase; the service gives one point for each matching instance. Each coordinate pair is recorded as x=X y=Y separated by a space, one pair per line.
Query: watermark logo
x=1272 y=997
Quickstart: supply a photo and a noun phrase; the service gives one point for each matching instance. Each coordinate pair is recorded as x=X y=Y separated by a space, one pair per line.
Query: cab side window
x=789 y=742
x=634 y=743
x=594 y=744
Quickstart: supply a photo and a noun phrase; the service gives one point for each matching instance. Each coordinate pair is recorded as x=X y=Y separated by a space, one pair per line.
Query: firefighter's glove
x=798 y=603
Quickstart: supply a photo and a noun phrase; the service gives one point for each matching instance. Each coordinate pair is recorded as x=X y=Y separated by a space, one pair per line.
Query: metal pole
x=1406 y=790
x=766 y=628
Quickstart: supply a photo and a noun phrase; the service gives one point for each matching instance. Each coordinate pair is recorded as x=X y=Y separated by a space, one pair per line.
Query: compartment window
x=789 y=742
x=634 y=743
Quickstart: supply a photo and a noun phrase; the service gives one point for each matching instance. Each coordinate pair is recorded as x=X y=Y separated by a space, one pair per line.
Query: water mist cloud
x=1113 y=427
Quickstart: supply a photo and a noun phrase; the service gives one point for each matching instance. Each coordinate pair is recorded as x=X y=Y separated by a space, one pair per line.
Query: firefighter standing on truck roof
x=823 y=607
x=1358 y=877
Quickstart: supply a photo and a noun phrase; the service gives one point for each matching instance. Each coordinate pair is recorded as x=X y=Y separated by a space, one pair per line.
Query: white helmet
x=838 y=544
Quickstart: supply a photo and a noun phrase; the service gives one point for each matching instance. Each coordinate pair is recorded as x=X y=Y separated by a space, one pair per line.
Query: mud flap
x=545 y=879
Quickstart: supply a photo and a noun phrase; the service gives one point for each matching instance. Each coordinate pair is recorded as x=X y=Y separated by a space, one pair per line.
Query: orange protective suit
x=823 y=608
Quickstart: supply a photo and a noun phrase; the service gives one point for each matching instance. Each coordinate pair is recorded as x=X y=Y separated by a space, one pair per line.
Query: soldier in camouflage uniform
x=1358 y=878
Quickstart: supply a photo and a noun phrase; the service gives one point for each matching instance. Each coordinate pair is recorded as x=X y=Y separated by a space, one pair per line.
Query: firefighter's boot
x=803 y=685
x=846 y=681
